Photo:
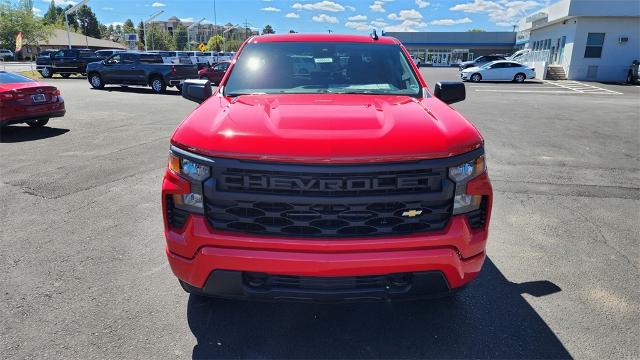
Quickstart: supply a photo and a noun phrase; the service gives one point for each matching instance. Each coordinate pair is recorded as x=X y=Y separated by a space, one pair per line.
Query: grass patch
x=32 y=74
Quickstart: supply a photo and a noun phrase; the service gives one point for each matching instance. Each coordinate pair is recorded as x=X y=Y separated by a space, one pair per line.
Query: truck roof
x=323 y=38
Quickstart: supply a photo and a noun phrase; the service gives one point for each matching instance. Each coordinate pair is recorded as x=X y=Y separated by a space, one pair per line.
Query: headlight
x=462 y=174
x=467 y=171
x=196 y=173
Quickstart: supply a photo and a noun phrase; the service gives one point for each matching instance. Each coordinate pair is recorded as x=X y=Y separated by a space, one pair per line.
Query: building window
x=594 y=45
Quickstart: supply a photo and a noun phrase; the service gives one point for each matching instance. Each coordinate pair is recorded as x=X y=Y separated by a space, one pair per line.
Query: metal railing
x=535 y=56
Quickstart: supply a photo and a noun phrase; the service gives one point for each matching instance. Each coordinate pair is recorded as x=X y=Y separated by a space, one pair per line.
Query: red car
x=215 y=72
x=23 y=100
x=343 y=179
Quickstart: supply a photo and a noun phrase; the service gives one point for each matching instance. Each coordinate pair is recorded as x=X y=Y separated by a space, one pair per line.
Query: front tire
x=476 y=77
x=46 y=72
x=157 y=85
x=629 y=77
x=96 y=81
x=37 y=123
x=519 y=78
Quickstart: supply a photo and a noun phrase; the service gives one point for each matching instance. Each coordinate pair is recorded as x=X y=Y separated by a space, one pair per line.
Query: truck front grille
x=325 y=201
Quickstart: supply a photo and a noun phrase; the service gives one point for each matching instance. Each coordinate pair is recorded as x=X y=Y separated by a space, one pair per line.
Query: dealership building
x=584 y=40
x=451 y=48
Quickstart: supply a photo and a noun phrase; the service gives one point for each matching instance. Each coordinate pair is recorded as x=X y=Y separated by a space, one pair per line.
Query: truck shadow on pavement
x=21 y=133
x=490 y=319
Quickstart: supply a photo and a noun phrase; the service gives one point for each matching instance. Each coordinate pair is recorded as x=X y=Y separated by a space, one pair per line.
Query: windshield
x=10 y=78
x=319 y=67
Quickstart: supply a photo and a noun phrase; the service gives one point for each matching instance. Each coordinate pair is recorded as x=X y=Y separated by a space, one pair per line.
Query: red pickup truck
x=344 y=179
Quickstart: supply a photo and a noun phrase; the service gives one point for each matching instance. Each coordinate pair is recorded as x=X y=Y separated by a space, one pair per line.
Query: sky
x=313 y=16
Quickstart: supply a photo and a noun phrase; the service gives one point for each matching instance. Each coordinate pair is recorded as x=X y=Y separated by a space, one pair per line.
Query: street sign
x=202 y=47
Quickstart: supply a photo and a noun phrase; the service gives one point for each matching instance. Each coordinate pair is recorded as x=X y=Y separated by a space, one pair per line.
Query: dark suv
x=480 y=61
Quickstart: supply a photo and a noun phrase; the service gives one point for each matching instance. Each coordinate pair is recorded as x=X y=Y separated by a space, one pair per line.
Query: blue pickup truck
x=141 y=69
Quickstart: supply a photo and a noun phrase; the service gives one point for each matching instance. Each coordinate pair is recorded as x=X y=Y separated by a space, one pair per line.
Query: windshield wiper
x=244 y=93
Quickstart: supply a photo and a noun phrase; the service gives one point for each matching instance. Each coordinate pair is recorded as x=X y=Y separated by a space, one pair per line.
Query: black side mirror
x=196 y=90
x=450 y=91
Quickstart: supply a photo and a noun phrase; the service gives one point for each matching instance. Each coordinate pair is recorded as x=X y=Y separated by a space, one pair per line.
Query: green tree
x=215 y=43
x=268 y=30
x=232 y=45
x=128 y=27
x=88 y=22
x=73 y=19
x=180 y=36
x=14 y=19
x=140 y=31
x=52 y=14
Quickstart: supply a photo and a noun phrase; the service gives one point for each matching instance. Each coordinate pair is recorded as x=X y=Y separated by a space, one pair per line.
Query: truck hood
x=326 y=128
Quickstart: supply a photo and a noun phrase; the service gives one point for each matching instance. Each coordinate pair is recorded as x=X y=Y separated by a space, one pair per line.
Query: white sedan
x=499 y=70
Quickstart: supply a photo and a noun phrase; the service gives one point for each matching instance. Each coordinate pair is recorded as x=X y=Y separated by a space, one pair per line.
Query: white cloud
x=449 y=22
x=349 y=7
x=319 y=6
x=357 y=18
x=324 y=18
x=292 y=15
x=377 y=6
x=407 y=26
x=35 y=10
x=379 y=23
x=406 y=15
x=422 y=4
x=189 y=19
x=61 y=2
x=115 y=23
x=501 y=12
x=358 y=25
x=477 y=6
x=158 y=4
x=270 y=9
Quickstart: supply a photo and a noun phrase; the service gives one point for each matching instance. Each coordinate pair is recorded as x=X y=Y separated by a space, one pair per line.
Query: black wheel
x=520 y=78
x=157 y=85
x=37 y=123
x=46 y=72
x=629 y=78
x=179 y=87
x=65 y=75
x=476 y=77
x=96 y=81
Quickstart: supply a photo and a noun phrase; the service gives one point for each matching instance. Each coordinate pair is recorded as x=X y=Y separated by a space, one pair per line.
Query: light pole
x=224 y=36
x=189 y=31
x=66 y=17
x=144 y=27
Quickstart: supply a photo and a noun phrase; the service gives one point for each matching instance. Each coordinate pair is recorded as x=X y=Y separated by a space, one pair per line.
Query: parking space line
x=529 y=91
x=582 y=87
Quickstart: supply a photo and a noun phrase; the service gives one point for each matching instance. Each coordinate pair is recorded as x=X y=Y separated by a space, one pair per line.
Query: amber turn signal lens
x=174 y=163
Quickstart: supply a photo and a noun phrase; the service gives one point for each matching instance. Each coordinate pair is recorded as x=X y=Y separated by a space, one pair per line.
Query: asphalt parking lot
x=84 y=274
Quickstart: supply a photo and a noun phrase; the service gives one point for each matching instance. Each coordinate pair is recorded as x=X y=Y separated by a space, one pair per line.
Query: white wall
x=616 y=58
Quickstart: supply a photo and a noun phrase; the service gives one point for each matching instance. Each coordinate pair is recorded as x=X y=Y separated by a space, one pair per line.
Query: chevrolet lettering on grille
x=390 y=182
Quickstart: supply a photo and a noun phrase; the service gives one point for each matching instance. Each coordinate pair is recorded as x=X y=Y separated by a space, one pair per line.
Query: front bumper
x=199 y=253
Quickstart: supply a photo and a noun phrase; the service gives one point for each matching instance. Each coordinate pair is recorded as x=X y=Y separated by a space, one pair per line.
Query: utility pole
x=215 y=18
x=144 y=27
x=66 y=18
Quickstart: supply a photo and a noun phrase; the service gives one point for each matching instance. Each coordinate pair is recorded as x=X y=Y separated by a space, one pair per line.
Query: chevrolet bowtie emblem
x=412 y=213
